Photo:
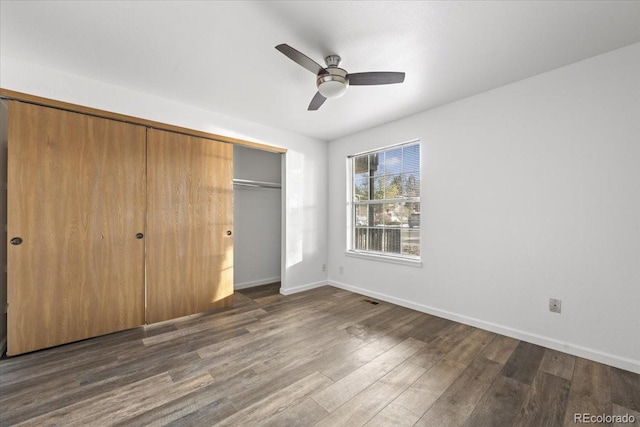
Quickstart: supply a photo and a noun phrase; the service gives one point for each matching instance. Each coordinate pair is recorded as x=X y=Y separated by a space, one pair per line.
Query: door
x=189 y=224
x=76 y=200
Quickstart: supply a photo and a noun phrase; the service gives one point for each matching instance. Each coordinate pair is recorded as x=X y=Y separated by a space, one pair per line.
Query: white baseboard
x=296 y=289
x=565 y=347
x=256 y=283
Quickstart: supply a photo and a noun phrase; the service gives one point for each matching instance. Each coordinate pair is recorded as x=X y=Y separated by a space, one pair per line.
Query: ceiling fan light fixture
x=334 y=84
x=333 y=81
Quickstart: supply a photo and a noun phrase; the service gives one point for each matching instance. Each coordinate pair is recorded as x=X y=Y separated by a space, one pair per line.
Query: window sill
x=385 y=258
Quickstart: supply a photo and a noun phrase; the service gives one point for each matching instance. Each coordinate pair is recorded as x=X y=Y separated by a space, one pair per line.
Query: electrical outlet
x=555 y=305
x=341 y=269
x=324 y=267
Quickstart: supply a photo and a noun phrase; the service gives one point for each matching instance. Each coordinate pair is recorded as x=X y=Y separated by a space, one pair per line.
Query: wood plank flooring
x=324 y=357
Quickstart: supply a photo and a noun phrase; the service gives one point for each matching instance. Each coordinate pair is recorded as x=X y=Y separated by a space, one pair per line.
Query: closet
x=257 y=216
x=111 y=225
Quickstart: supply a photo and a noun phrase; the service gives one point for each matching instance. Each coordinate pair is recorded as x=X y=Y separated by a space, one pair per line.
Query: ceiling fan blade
x=316 y=102
x=375 y=78
x=301 y=59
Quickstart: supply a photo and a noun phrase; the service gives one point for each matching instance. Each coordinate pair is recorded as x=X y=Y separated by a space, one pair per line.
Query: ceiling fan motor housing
x=334 y=84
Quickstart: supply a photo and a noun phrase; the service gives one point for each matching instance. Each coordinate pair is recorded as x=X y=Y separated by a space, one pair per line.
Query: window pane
x=376 y=163
x=411 y=234
x=392 y=241
x=393 y=161
x=391 y=216
x=362 y=217
x=376 y=239
x=376 y=214
x=361 y=188
x=361 y=165
x=411 y=184
x=393 y=187
x=413 y=211
x=411 y=158
x=403 y=215
x=378 y=187
x=360 y=239
x=362 y=176
x=411 y=241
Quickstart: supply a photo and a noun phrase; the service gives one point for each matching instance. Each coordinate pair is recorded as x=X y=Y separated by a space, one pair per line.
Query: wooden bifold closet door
x=189 y=257
x=76 y=200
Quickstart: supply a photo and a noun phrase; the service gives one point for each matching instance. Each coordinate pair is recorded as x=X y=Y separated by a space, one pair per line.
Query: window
x=385 y=202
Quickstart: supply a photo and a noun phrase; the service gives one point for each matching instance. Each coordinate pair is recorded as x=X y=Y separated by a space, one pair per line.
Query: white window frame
x=395 y=258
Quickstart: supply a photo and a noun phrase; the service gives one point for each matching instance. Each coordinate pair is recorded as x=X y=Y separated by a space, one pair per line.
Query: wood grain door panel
x=77 y=190
x=189 y=212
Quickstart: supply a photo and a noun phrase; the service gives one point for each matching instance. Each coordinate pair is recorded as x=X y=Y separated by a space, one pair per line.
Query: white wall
x=257 y=214
x=305 y=162
x=530 y=191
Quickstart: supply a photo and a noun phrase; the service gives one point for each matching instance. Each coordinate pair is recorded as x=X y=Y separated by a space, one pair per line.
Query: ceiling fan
x=333 y=81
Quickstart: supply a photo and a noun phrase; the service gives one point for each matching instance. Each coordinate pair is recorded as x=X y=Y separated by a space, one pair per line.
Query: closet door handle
x=16 y=241
x=228 y=232
x=139 y=236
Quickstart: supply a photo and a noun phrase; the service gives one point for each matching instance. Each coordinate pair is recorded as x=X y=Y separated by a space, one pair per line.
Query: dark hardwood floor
x=322 y=357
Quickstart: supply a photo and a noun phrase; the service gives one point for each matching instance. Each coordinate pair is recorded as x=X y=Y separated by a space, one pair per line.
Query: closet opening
x=257 y=219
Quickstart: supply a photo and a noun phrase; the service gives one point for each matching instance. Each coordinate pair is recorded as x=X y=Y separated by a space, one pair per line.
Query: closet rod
x=252 y=183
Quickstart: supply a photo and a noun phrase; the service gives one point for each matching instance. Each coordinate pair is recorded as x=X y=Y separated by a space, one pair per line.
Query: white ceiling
x=220 y=56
